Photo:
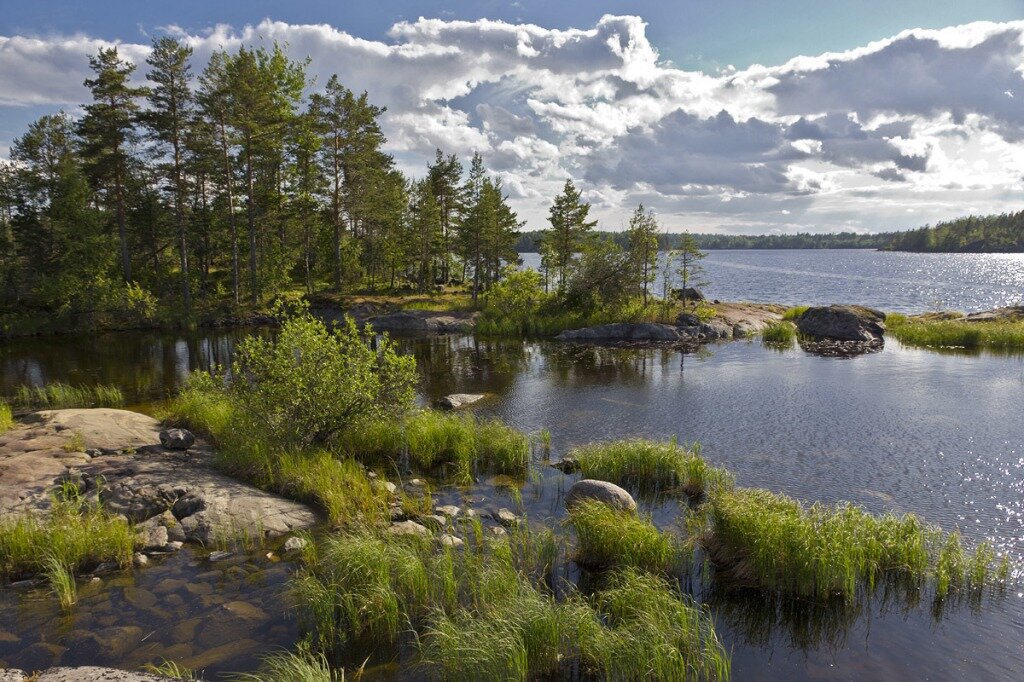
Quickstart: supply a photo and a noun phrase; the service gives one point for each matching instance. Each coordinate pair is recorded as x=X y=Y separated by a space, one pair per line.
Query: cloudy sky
x=736 y=117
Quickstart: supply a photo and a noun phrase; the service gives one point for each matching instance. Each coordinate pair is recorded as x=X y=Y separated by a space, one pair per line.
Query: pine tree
x=642 y=235
x=688 y=257
x=445 y=177
x=569 y=230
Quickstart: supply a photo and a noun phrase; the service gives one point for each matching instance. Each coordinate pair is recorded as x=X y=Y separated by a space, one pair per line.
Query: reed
x=59 y=396
x=609 y=538
x=779 y=334
x=340 y=487
x=6 y=417
x=61 y=580
x=299 y=666
x=651 y=466
x=202 y=406
x=1002 y=336
x=170 y=669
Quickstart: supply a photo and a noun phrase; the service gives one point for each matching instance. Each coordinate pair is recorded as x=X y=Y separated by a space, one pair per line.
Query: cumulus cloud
x=926 y=119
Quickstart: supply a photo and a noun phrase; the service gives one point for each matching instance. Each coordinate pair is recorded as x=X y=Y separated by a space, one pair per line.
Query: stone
x=451 y=541
x=457 y=401
x=175 y=545
x=95 y=674
x=425 y=321
x=151 y=537
x=622 y=331
x=691 y=294
x=601 y=491
x=177 y=439
x=505 y=517
x=295 y=544
x=498 y=531
x=407 y=528
x=390 y=487
x=219 y=555
x=139 y=560
x=843 y=323
x=449 y=510
x=12 y=675
x=434 y=521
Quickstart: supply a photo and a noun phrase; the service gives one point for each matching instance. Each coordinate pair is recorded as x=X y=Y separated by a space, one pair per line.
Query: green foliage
x=58 y=396
x=650 y=466
x=62 y=581
x=309 y=383
x=338 y=486
x=76 y=535
x=202 y=405
x=779 y=334
x=568 y=234
x=794 y=313
x=518 y=295
x=6 y=417
x=609 y=538
x=299 y=666
x=824 y=551
x=972 y=234
x=939 y=333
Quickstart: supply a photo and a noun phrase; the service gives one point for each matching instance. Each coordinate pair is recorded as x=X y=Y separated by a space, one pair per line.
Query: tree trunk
x=231 y=212
x=250 y=211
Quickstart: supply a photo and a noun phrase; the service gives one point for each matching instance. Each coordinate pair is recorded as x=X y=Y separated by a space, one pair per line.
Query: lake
x=903 y=430
x=894 y=282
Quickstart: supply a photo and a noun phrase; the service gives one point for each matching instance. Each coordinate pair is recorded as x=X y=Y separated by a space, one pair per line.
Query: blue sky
x=699 y=109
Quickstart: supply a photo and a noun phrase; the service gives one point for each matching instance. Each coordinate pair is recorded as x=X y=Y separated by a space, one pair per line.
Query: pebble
x=139 y=559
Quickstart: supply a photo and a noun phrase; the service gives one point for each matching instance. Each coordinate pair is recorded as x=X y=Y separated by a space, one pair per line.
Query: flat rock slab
x=136 y=476
x=457 y=401
x=83 y=674
x=425 y=321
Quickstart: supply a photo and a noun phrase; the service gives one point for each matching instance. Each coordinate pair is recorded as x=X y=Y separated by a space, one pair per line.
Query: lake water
x=894 y=282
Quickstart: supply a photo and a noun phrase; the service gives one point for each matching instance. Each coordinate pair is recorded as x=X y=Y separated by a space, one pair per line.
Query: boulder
x=457 y=401
x=622 y=331
x=601 y=491
x=690 y=293
x=95 y=674
x=177 y=439
x=505 y=517
x=424 y=321
x=295 y=544
x=843 y=323
x=408 y=528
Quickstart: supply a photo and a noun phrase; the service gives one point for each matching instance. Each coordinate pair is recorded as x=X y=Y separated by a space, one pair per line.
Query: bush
x=518 y=294
x=308 y=384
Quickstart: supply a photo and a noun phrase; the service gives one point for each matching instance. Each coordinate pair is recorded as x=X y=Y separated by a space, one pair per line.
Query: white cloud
x=923 y=120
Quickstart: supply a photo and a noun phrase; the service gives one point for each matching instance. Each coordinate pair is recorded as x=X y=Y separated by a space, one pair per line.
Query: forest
x=1003 y=233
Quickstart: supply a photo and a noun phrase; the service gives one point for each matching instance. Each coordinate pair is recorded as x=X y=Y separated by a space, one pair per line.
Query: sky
x=730 y=116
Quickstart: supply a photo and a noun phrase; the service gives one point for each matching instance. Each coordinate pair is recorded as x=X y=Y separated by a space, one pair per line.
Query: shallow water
x=902 y=429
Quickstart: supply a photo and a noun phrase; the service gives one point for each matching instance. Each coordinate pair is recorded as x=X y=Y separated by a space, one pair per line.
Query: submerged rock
x=601 y=491
x=505 y=517
x=623 y=331
x=177 y=439
x=408 y=528
x=843 y=323
x=295 y=544
x=457 y=401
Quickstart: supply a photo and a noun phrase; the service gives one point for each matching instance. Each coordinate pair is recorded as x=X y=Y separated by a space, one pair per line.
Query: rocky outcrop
x=171 y=494
x=82 y=674
x=843 y=323
x=424 y=321
x=600 y=491
x=731 y=321
x=457 y=401
x=623 y=331
x=1012 y=313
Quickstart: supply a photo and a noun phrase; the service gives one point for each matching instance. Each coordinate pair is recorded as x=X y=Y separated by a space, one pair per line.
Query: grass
x=62 y=581
x=58 y=396
x=550 y=320
x=650 y=466
x=6 y=417
x=481 y=613
x=795 y=312
x=170 y=669
x=76 y=535
x=202 y=406
x=939 y=333
x=823 y=551
x=300 y=666
x=338 y=486
x=459 y=443
x=779 y=334
x=76 y=443
x=609 y=538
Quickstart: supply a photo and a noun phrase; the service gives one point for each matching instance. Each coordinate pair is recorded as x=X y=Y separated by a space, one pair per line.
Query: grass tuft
x=58 y=396
x=6 y=417
x=779 y=334
x=795 y=313
x=300 y=666
x=651 y=466
x=62 y=581
x=609 y=537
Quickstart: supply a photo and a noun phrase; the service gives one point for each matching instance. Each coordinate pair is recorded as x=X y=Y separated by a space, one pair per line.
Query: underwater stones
x=449 y=510
x=139 y=560
x=408 y=528
x=457 y=401
x=601 y=491
x=177 y=439
x=843 y=323
x=505 y=517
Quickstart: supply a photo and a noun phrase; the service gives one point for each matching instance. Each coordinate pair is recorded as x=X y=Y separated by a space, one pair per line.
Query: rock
x=139 y=560
x=425 y=321
x=498 y=531
x=390 y=487
x=602 y=491
x=177 y=439
x=175 y=545
x=151 y=537
x=407 y=528
x=219 y=555
x=843 y=323
x=451 y=541
x=457 y=401
x=1013 y=313
x=95 y=674
x=449 y=510
x=691 y=294
x=12 y=675
x=622 y=331
x=567 y=465
x=295 y=544
x=505 y=517
x=435 y=522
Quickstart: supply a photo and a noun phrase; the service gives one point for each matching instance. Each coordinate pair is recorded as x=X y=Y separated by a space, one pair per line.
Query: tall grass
x=76 y=535
x=1006 y=336
x=62 y=581
x=779 y=334
x=57 y=396
x=608 y=537
x=338 y=486
x=551 y=320
x=6 y=417
x=795 y=312
x=300 y=666
x=650 y=466
x=460 y=443
x=202 y=406
x=822 y=551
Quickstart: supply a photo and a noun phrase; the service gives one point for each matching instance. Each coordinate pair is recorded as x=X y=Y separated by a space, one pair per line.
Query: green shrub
x=650 y=466
x=609 y=537
x=6 y=417
x=59 y=396
x=795 y=312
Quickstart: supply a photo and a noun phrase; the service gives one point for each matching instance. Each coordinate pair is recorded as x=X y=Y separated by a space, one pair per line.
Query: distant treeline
x=1003 y=233
x=840 y=240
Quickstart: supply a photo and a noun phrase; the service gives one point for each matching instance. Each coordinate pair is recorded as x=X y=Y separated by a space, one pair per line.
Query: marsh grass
x=459 y=444
x=61 y=580
x=1002 y=336
x=57 y=396
x=779 y=334
x=610 y=538
x=338 y=486
x=171 y=669
x=299 y=666
x=76 y=535
x=76 y=443
x=651 y=466
x=6 y=417
x=795 y=312
x=823 y=551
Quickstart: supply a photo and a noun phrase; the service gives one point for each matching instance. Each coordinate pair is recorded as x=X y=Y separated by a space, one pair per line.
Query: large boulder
x=622 y=331
x=689 y=294
x=600 y=491
x=843 y=323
